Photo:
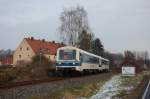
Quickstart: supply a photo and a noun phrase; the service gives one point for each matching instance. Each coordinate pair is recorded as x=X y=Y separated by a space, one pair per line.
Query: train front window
x=67 y=54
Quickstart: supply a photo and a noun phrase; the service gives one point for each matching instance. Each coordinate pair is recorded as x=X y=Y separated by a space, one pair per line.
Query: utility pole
x=40 y=58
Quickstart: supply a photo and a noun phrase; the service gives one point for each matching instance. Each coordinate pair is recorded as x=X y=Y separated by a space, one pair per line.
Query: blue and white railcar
x=79 y=60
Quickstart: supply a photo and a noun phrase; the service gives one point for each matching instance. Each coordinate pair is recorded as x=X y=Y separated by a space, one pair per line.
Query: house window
x=27 y=48
x=19 y=56
x=49 y=57
x=28 y=55
x=20 y=48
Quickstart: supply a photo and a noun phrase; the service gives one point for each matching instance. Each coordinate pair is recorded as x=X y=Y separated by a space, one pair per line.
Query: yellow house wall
x=25 y=54
x=50 y=57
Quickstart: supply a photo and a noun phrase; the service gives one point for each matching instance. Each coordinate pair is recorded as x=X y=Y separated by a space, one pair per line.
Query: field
x=133 y=86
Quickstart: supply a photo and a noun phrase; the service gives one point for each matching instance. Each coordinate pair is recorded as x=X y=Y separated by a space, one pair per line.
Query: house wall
x=50 y=57
x=23 y=52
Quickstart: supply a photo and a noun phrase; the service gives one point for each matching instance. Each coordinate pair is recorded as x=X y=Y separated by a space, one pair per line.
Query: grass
x=7 y=75
x=73 y=91
x=121 y=95
x=134 y=82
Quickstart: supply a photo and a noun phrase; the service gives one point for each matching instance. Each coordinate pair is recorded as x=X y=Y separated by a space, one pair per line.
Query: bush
x=26 y=70
x=22 y=63
x=7 y=74
x=40 y=66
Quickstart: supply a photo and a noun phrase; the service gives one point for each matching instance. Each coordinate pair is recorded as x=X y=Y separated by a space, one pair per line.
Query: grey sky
x=120 y=24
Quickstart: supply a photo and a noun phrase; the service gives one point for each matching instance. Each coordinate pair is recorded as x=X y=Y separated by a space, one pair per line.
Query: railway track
x=23 y=83
x=48 y=87
x=33 y=82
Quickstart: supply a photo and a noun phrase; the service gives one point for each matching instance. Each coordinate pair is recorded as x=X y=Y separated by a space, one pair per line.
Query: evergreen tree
x=97 y=47
x=84 y=40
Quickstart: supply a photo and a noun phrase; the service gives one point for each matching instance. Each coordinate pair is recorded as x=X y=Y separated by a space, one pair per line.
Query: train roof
x=82 y=51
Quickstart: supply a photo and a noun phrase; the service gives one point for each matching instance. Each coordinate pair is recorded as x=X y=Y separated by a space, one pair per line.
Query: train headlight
x=74 y=63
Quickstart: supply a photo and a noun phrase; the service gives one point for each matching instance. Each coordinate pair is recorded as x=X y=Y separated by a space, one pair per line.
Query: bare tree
x=141 y=55
x=73 y=22
x=130 y=55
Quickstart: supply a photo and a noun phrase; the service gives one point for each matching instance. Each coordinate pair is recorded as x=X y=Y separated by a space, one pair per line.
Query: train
x=70 y=58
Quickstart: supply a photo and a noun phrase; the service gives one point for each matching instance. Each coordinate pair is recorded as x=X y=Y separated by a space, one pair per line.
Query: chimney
x=53 y=41
x=62 y=43
x=32 y=38
x=43 y=40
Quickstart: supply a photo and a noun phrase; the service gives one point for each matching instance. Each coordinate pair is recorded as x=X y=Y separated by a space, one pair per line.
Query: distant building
x=30 y=47
x=0 y=63
x=7 y=61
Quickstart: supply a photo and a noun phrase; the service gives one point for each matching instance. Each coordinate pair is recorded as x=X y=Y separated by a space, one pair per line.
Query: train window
x=94 y=60
x=89 y=59
x=67 y=54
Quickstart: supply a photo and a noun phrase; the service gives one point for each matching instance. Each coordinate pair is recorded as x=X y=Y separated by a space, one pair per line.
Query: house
x=30 y=47
x=0 y=62
x=7 y=60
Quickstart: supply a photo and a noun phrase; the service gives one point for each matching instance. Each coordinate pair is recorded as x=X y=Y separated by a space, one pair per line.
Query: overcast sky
x=120 y=24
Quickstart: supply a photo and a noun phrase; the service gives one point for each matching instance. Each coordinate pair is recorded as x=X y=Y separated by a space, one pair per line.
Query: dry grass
x=137 y=82
x=122 y=94
x=7 y=75
x=77 y=91
x=68 y=95
x=35 y=97
x=134 y=80
x=73 y=91
x=89 y=89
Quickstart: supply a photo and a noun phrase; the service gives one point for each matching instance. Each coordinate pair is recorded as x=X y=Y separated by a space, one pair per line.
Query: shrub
x=7 y=74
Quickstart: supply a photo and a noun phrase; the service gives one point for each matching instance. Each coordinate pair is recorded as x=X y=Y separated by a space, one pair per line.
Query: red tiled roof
x=43 y=46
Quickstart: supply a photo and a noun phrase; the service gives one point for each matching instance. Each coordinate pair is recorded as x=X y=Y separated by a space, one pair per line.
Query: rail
x=23 y=83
